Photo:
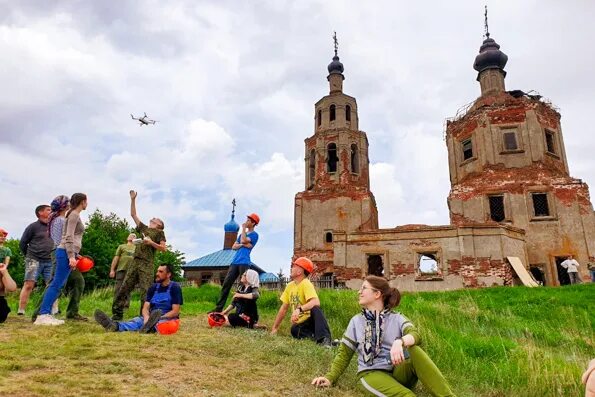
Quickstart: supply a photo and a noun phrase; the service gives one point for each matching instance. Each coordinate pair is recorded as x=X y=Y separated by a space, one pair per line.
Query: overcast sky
x=233 y=85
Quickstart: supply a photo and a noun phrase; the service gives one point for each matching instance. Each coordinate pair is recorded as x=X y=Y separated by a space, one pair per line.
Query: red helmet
x=255 y=218
x=168 y=327
x=84 y=264
x=304 y=263
x=216 y=319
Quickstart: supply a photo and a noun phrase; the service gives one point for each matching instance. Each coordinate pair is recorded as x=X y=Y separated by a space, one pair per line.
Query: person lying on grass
x=160 y=312
x=389 y=358
x=244 y=301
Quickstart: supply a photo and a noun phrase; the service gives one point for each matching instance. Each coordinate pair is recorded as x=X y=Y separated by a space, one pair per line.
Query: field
x=490 y=342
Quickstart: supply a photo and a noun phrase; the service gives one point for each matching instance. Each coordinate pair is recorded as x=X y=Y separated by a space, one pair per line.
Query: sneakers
x=77 y=317
x=55 y=308
x=151 y=322
x=107 y=323
x=47 y=319
x=21 y=312
x=328 y=343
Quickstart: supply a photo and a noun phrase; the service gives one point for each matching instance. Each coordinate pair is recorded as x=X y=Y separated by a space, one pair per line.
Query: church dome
x=490 y=56
x=335 y=66
x=231 y=226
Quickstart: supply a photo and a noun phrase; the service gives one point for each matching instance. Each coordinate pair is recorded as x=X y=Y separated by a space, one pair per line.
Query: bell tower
x=337 y=194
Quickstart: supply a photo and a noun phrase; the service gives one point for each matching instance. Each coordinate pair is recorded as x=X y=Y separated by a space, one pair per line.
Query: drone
x=145 y=120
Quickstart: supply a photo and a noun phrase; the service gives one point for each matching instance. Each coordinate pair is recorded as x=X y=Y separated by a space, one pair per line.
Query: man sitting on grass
x=162 y=306
x=307 y=318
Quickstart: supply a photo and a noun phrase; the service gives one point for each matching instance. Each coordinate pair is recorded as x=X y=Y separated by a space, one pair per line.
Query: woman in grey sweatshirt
x=66 y=253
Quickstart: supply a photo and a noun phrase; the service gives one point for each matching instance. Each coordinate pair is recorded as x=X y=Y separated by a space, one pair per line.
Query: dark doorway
x=375 y=266
x=537 y=274
x=562 y=273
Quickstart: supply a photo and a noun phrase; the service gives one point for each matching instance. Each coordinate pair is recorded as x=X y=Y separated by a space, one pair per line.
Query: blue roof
x=221 y=258
x=268 y=278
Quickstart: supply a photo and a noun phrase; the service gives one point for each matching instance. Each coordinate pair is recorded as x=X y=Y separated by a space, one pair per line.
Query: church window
x=354 y=159
x=428 y=263
x=333 y=112
x=540 y=204
x=467 y=149
x=375 y=265
x=497 y=208
x=312 y=168
x=550 y=142
x=510 y=141
x=348 y=113
x=332 y=158
x=319 y=118
x=328 y=237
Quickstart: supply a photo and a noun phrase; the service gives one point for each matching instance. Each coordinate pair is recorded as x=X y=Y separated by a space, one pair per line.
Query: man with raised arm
x=140 y=270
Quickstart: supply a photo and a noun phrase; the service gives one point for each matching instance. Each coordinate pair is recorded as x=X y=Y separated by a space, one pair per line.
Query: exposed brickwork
x=347 y=273
x=471 y=268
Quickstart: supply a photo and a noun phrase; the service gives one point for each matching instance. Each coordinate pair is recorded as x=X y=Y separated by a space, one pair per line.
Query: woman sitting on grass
x=389 y=359
x=244 y=301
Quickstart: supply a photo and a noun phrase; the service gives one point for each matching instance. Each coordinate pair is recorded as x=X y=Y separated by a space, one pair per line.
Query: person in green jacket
x=389 y=358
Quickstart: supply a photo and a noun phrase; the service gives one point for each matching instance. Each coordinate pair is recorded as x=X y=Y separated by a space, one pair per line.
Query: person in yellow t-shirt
x=307 y=318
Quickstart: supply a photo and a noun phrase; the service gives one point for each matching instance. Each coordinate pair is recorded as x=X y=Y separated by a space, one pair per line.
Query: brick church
x=511 y=195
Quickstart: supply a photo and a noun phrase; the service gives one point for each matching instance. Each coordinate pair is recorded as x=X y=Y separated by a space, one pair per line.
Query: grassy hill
x=488 y=342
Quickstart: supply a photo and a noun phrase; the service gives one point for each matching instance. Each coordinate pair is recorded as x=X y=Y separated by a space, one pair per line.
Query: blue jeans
x=593 y=276
x=60 y=277
x=133 y=324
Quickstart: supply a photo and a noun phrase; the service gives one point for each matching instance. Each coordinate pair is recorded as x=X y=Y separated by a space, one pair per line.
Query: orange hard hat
x=254 y=217
x=216 y=319
x=168 y=327
x=304 y=263
x=3 y=232
x=84 y=264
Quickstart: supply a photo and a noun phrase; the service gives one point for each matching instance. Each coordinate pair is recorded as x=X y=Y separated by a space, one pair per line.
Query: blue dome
x=490 y=56
x=231 y=226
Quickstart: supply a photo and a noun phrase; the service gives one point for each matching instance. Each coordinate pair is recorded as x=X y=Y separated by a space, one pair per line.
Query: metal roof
x=221 y=258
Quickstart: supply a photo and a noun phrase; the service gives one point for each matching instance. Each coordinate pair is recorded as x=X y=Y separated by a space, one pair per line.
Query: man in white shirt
x=571 y=266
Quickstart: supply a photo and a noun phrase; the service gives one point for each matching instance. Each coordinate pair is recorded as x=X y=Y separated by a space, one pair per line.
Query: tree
x=16 y=267
x=103 y=234
x=176 y=258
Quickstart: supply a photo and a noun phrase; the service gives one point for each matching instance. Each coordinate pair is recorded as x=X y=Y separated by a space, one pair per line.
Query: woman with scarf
x=389 y=358
x=244 y=301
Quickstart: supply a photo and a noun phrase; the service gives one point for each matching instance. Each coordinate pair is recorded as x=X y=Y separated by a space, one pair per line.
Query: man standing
x=164 y=299
x=591 y=267
x=37 y=246
x=571 y=266
x=241 y=261
x=307 y=318
x=122 y=258
x=140 y=270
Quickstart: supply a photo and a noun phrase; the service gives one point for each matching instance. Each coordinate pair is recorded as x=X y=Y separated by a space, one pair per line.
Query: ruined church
x=511 y=195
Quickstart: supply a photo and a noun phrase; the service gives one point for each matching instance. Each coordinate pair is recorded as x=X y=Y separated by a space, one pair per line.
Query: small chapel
x=511 y=195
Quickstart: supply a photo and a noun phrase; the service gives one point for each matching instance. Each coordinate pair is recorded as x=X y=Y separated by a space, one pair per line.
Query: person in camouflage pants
x=140 y=270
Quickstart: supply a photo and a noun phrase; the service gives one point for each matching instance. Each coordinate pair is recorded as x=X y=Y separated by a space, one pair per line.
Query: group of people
x=390 y=360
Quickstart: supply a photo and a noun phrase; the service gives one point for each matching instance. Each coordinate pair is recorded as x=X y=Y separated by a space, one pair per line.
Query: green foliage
x=174 y=257
x=103 y=234
x=16 y=268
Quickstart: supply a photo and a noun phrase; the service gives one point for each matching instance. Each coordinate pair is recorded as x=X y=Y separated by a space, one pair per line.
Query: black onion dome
x=490 y=56
x=335 y=66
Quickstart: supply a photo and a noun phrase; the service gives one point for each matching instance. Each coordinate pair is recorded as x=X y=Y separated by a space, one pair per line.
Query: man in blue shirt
x=241 y=261
x=163 y=302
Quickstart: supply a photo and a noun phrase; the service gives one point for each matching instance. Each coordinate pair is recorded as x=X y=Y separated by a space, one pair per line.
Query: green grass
x=487 y=342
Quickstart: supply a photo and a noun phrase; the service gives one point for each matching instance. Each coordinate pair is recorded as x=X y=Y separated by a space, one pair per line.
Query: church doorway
x=562 y=273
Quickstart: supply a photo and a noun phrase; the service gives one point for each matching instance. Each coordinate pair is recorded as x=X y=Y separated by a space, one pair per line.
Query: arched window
x=319 y=118
x=333 y=112
x=354 y=159
x=328 y=237
x=348 y=113
x=332 y=158
x=312 y=168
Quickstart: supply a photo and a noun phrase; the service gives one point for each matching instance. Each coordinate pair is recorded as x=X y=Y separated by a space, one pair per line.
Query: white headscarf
x=252 y=277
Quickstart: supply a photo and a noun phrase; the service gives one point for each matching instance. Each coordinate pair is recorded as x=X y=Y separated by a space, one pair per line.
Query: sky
x=233 y=86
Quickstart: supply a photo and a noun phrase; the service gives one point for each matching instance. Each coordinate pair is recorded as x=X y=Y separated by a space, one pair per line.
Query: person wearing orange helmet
x=307 y=318
x=241 y=261
x=160 y=312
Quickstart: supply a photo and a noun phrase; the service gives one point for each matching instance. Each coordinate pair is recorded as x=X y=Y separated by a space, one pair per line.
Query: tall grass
x=488 y=342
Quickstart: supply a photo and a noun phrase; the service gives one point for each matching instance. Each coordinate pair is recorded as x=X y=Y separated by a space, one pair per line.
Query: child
x=244 y=301
x=7 y=284
x=388 y=356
